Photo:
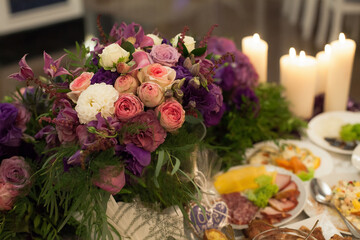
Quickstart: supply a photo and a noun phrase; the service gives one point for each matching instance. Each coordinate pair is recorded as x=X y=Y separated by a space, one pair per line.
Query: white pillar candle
x=298 y=76
x=323 y=62
x=257 y=51
x=339 y=75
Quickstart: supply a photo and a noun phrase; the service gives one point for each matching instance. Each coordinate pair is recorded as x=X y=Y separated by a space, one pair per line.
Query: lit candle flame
x=327 y=49
x=256 y=37
x=341 y=37
x=292 y=52
x=302 y=54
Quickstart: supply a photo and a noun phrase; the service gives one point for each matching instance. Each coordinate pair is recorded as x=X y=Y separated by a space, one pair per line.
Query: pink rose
x=82 y=82
x=126 y=84
x=172 y=115
x=7 y=196
x=111 y=179
x=164 y=76
x=165 y=55
x=79 y=84
x=127 y=106
x=151 y=94
x=15 y=171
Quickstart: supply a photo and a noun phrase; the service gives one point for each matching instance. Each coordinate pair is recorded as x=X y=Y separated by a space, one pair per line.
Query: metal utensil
x=320 y=191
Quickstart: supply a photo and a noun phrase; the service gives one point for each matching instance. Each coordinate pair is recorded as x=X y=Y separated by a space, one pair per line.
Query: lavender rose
x=150 y=134
x=165 y=55
x=66 y=122
x=23 y=116
x=15 y=171
x=10 y=134
x=7 y=196
x=111 y=179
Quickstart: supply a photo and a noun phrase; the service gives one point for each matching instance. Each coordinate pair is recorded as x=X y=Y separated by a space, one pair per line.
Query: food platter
x=301 y=198
x=312 y=208
x=326 y=161
x=328 y=124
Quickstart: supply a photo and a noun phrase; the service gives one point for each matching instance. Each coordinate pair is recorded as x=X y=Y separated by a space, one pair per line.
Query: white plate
x=312 y=208
x=327 y=227
x=328 y=124
x=301 y=199
x=326 y=161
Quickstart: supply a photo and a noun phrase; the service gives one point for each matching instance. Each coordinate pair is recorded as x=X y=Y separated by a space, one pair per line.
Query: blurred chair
x=339 y=8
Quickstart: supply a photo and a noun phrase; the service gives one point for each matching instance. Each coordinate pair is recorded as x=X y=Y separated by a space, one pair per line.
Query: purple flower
x=182 y=72
x=23 y=116
x=220 y=45
x=209 y=103
x=15 y=171
x=25 y=71
x=132 y=30
x=10 y=134
x=165 y=55
x=75 y=159
x=104 y=76
x=135 y=158
x=150 y=134
x=226 y=76
x=243 y=96
x=50 y=134
x=66 y=122
x=52 y=68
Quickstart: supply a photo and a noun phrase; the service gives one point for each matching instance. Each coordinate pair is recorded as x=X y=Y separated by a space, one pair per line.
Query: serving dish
x=326 y=161
x=313 y=208
x=328 y=124
x=301 y=198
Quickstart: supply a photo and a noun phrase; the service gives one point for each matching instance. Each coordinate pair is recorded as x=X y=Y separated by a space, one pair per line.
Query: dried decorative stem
x=204 y=41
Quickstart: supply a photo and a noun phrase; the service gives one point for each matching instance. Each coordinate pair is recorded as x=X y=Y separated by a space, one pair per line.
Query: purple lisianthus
x=150 y=134
x=208 y=102
x=135 y=158
x=66 y=122
x=104 y=76
x=220 y=45
x=241 y=94
x=50 y=135
x=165 y=55
x=10 y=134
x=226 y=77
x=182 y=72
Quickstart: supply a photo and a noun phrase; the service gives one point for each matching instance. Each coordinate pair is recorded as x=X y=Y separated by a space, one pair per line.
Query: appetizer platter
x=304 y=159
x=337 y=131
x=345 y=196
x=270 y=193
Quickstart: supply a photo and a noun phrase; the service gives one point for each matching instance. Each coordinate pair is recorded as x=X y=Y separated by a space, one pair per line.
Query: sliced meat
x=257 y=226
x=241 y=210
x=290 y=192
x=282 y=180
x=282 y=206
x=272 y=215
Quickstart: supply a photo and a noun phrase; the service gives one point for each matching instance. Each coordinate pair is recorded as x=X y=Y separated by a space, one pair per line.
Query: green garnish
x=306 y=176
x=350 y=132
x=261 y=195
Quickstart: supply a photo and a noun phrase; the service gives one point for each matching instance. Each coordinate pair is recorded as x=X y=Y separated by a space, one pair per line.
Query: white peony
x=99 y=97
x=188 y=41
x=112 y=55
x=157 y=40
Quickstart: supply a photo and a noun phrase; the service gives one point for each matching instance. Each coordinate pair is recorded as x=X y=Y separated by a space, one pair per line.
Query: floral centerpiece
x=254 y=112
x=121 y=120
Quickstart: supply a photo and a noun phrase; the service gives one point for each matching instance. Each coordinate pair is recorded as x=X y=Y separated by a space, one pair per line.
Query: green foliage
x=82 y=58
x=240 y=129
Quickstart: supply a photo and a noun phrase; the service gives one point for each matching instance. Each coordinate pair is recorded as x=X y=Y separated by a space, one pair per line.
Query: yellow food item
x=238 y=180
x=214 y=234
